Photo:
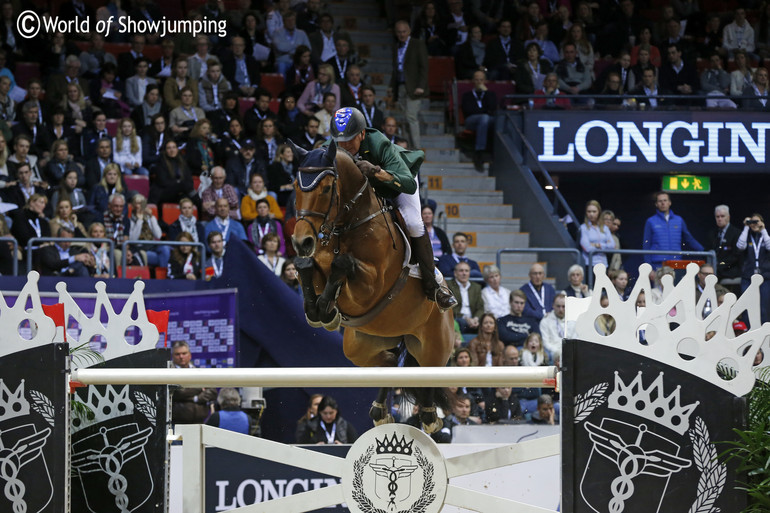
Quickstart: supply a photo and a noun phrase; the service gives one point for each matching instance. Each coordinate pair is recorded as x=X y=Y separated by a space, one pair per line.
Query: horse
x=351 y=262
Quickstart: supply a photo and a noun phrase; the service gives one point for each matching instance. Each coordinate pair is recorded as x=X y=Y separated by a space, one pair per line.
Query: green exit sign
x=687 y=183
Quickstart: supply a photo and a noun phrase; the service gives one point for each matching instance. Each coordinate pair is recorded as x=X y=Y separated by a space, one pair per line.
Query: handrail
x=578 y=256
x=15 y=251
x=711 y=254
x=73 y=240
x=559 y=197
x=124 y=264
x=628 y=95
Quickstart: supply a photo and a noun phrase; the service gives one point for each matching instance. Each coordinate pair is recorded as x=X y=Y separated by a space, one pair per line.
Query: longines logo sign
x=649 y=141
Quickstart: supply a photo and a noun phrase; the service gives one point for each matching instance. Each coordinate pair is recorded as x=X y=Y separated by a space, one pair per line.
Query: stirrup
x=436 y=291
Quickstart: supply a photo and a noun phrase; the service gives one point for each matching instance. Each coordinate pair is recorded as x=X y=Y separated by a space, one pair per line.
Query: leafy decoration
x=146 y=406
x=588 y=402
x=44 y=406
x=713 y=474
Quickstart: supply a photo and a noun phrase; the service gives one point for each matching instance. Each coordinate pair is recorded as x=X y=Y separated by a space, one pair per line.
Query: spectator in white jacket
x=553 y=327
x=739 y=35
x=127 y=149
x=496 y=297
x=144 y=227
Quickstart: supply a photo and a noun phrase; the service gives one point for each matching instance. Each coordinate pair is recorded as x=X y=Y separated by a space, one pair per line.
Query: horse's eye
x=327 y=189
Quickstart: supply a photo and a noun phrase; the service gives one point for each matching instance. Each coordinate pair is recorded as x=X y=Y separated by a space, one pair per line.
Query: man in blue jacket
x=666 y=231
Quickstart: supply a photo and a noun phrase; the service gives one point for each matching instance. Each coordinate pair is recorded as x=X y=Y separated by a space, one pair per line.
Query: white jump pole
x=325 y=377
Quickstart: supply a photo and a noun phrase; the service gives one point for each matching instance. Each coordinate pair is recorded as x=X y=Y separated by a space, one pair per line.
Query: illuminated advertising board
x=667 y=141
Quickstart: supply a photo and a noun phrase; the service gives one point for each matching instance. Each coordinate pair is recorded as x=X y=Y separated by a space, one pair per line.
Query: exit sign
x=687 y=183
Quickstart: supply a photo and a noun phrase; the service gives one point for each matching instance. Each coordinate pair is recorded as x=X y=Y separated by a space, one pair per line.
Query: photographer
x=756 y=243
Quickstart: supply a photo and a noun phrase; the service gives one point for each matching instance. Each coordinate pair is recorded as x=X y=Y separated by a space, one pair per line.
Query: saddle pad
x=414 y=269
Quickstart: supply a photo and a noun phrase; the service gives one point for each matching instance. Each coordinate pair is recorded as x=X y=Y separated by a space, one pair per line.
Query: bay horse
x=351 y=261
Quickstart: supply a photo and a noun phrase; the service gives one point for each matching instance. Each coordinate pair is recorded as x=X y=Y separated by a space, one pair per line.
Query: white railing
x=325 y=377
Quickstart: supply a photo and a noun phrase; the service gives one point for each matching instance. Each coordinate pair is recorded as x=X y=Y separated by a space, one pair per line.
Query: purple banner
x=207 y=321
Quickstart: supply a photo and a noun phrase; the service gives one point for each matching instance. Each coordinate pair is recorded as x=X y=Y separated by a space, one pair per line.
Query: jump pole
x=325 y=377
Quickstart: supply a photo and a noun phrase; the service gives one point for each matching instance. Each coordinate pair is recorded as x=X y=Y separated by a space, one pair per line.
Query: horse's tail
x=424 y=396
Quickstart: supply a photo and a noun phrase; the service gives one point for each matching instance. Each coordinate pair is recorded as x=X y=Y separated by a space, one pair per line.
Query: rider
x=392 y=171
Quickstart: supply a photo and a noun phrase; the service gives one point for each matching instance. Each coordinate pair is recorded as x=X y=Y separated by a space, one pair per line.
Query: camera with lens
x=749 y=222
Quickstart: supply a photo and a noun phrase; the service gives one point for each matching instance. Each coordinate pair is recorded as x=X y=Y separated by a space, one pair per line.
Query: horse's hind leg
x=379 y=412
x=342 y=268
x=304 y=267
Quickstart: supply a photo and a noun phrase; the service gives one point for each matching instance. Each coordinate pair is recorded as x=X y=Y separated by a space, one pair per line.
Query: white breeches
x=409 y=206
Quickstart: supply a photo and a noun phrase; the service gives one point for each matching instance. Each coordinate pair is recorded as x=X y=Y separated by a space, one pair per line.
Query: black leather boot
x=423 y=250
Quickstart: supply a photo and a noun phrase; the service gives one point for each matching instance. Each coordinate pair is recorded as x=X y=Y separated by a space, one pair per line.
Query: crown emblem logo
x=394 y=445
x=12 y=404
x=111 y=404
x=679 y=331
x=652 y=403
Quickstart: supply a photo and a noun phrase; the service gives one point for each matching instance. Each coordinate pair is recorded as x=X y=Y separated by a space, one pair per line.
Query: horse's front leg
x=305 y=269
x=343 y=268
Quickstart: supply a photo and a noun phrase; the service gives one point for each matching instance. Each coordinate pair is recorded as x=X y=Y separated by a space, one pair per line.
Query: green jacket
x=402 y=164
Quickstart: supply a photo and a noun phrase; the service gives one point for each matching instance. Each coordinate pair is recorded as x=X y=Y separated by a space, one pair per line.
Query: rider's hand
x=367 y=168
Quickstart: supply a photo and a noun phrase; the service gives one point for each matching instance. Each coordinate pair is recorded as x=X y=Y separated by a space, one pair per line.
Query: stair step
x=453 y=196
x=374 y=37
x=439 y=141
x=459 y=225
x=432 y=116
x=456 y=183
x=435 y=129
x=441 y=155
x=454 y=170
x=476 y=210
x=485 y=239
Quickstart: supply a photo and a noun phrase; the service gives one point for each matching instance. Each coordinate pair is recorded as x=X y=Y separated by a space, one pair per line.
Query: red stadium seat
x=440 y=71
x=244 y=104
x=138 y=183
x=273 y=82
x=112 y=127
x=161 y=273
x=134 y=272
x=26 y=71
x=171 y=212
x=153 y=52
x=117 y=48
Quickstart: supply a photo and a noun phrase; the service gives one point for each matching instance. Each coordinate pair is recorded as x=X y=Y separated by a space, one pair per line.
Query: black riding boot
x=423 y=250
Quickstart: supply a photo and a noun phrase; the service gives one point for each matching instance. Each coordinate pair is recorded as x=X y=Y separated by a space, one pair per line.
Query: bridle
x=328 y=229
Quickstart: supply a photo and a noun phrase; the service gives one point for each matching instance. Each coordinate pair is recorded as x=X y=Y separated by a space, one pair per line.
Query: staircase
x=467 y=200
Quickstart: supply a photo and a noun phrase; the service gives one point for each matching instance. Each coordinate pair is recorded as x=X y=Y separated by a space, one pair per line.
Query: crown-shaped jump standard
x=117 y=322
x=680 y=340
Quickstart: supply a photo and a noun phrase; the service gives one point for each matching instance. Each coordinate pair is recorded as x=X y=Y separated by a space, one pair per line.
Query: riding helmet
x=347 y=123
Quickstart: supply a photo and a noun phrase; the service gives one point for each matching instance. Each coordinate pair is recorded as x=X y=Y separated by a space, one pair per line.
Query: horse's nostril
x=307 y=245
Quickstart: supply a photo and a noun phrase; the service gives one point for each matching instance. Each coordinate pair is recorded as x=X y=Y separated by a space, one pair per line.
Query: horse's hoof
x=313 y=324
x=334 y=324
x=377 y=412
x=387 y=420
x=433 y=426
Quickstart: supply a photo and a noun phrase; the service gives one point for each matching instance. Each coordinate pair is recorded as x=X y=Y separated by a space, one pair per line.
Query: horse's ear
x=299 y=153
x=331 y=152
